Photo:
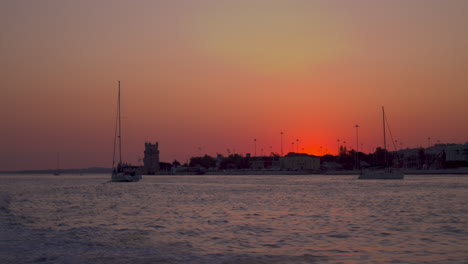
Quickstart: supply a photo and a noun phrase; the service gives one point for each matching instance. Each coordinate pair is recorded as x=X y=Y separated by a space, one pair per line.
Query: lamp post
x=357 y=147
x=255 y=147
x=338 y=146
x=281 y=133
x=297 y=145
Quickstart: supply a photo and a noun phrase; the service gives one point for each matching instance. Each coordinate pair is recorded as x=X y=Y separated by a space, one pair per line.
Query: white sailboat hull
x=382 y=173
x=124 y=177
x=123 y=172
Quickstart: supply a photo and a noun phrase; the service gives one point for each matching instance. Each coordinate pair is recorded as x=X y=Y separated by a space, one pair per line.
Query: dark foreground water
x=233 y=219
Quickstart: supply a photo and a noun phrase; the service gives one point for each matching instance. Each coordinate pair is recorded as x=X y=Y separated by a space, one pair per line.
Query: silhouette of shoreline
x=98 y=170
x=93 y=170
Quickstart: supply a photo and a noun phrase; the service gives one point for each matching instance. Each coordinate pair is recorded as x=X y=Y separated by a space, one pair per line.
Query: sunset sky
x=209 y=76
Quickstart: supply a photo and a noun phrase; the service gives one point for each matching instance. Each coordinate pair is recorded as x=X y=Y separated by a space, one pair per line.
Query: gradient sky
x=209 y=76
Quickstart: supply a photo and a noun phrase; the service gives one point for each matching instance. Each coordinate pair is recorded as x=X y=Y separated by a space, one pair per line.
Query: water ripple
x=234 y=219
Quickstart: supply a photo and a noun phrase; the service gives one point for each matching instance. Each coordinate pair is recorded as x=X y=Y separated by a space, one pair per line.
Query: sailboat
x=57 y=172
x=122 y=172
x=383 y=172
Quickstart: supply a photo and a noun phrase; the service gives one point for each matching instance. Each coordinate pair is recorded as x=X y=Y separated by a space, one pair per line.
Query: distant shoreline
x=94 y=170
x=345 y=172
x=459 y=171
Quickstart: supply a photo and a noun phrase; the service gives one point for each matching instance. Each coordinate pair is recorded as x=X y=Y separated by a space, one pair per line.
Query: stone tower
x=151 y=159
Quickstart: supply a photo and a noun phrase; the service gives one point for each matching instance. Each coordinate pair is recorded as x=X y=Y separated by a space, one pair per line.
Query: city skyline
x=208 y=76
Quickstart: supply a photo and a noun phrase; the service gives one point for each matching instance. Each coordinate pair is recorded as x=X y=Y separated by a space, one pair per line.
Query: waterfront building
x=434 y=157
x=264 y=162
x=300 y=161
x=411 y=158
x=151 y=159
x=457 y=153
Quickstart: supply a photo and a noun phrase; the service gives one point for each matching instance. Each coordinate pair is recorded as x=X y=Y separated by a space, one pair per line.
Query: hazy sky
x=209 y=76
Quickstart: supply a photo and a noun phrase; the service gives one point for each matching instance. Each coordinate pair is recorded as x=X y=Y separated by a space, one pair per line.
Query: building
x=300 y=161
x=412 y=158
x=264 y=162
x=151 y=159
x=435 y=157
x=457 y=152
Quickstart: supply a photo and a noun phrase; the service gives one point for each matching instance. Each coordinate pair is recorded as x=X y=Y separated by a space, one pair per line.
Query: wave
x=5 y=201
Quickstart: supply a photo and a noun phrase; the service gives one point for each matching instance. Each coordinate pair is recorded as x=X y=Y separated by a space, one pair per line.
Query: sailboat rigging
x=122 y=172
x=385 y=172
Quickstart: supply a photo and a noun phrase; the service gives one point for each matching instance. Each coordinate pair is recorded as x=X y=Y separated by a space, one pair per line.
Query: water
x=233 y=219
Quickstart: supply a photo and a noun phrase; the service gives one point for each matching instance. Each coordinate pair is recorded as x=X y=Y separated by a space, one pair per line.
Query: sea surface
x=233 y=219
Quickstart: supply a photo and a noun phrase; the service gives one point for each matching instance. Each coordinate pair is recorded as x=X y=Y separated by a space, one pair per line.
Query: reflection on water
x=235 y=219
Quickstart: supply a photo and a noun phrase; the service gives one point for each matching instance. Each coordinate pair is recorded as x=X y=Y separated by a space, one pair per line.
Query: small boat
x=122 y=172
x=125 y=173
x=383 y=172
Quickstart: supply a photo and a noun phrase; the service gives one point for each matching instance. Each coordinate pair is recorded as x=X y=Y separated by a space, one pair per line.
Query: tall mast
x=384 y=138
x=120 y=135
x=383 y=119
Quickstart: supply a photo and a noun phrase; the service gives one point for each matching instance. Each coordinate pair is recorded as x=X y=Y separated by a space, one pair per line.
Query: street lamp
x=255 y=147
x=357 y=147
x=338 y=146
x=281 y=143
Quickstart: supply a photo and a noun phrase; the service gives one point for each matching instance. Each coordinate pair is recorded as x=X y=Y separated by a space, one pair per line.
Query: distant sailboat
x=123 y=172
x=57 y=172
x=383 y=172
